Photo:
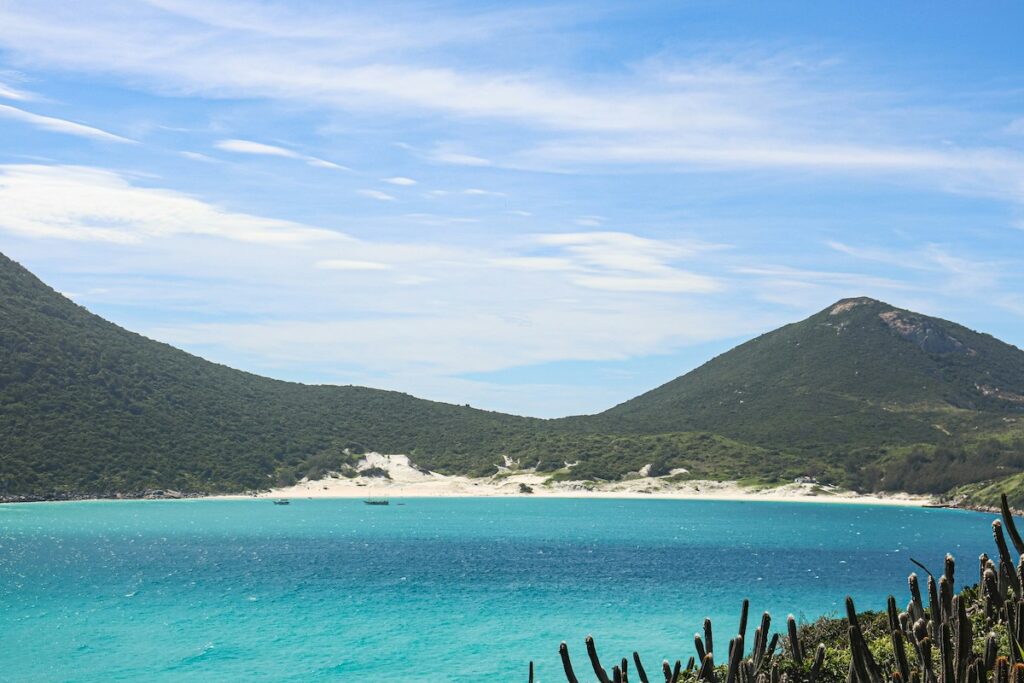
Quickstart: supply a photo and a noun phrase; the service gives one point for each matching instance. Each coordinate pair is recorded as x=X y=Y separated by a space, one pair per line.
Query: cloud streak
x=620 y=262
x=376 y=194
x=94 y=205
x=262 y=149
x=11 y=93
x=55 y=125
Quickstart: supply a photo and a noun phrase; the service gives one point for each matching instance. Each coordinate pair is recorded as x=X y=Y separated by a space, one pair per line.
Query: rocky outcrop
x=928 y=337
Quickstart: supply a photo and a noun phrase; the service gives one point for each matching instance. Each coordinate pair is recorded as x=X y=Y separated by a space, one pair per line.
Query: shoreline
x=394 y=476
x=404 y=480
x=896 y=499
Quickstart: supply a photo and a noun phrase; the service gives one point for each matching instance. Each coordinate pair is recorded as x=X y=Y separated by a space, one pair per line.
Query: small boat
x=377 y=501
x=282 y=501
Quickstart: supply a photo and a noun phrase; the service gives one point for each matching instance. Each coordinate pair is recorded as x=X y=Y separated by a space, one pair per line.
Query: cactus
x=916 y=607
x=707 y=669
x=933 y=610
x=794 y=641
x=1011 y=526
x=863 y=662
x=570 y=676
x=1007 y=569
x=599 y=671
x=707 y=640
x=640 y=672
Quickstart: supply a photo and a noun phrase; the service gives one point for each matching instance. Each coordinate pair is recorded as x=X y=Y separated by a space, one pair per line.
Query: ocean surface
x=432 y=589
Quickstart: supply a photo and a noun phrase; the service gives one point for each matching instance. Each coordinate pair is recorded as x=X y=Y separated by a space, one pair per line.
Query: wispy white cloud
x=376 y=194
x=468 y=192
x=460 y=158
x=401 y=181
x=958 y=272
x=197 y=156
x=626 y=251
x=618 y=261
x=456 y=155
x=477 y=192
x=892 y=257
x=348 y=264
x=439 y=219
x=1011 y=302
x=851 y=282
x=780 y=154
x=88 y=204
x=11 y=93
x=448 y=344
x=262 y=149
x=552 y=263
x=323 y=163
x=669 y=281
x=56 y=125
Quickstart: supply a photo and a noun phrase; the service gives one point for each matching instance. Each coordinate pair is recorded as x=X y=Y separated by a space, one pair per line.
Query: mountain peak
x=931 y=335
x=844 y=305
x=861 y=372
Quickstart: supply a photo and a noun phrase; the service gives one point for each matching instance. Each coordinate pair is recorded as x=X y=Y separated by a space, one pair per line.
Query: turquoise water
x=435 y=589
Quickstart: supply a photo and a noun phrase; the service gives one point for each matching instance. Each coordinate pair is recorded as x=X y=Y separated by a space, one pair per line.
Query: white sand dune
x=406 y=480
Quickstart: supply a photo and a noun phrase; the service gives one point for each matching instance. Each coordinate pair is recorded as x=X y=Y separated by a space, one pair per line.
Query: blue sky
x=542 y=208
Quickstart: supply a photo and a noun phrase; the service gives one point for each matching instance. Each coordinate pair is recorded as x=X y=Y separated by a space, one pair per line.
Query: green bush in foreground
x=974 y=636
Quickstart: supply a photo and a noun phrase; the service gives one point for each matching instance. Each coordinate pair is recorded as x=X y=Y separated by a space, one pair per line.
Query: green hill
x=87 y=406
x=860 y=394
x=858 y=384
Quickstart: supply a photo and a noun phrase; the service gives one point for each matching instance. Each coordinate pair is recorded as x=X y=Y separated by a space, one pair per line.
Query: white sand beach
x=406 y=480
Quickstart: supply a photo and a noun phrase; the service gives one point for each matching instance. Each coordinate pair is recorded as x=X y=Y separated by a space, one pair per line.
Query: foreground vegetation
x=942 y=636
x=856 y=398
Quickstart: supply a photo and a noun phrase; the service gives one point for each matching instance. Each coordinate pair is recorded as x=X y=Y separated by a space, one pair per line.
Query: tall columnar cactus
x=1011 y=527
x=1007 y=567
x=640 y=671
x=570 y=675
x=595 y=661
x=672 y=674
x=795 y=651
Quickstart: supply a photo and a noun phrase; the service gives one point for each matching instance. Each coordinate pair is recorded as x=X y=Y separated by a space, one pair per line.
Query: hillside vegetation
x=860 y=394
x=87 y=406
x=895 y=399
x=856 y=374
